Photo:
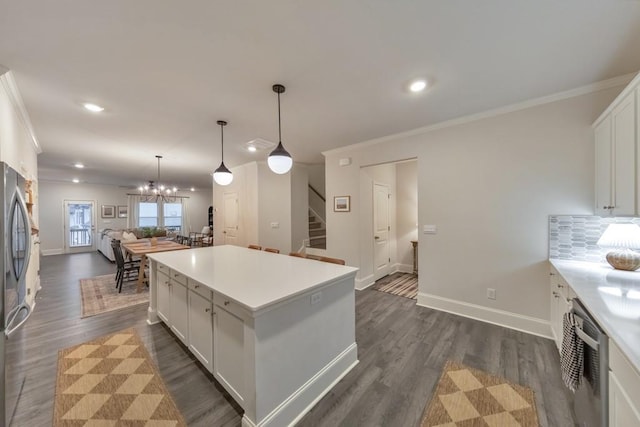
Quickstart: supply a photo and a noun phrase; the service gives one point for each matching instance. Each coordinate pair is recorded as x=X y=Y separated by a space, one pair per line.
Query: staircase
x=317 y=233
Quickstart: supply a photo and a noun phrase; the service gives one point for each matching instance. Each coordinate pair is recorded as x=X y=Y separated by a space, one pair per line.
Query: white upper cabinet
x=616 y=154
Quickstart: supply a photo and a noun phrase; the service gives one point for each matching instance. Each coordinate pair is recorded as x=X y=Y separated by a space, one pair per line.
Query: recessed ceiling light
x=93 y=107
x=193 y=189
x=75 y=180
x=78 y=165
x=418 y=85
x=252 y=148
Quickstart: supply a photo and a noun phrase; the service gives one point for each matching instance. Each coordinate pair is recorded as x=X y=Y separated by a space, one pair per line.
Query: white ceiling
x=166 y=71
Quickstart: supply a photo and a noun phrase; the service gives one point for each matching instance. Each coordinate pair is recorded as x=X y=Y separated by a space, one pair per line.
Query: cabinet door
x=179 y=310
x=228 y=352
x=603 y=167
x=555 y=320
x=623 y=122
x=621 y=410
x=164 y=297
x=201 y=329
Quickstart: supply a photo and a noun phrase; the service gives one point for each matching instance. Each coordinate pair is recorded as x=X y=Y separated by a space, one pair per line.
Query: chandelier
x=154 y=191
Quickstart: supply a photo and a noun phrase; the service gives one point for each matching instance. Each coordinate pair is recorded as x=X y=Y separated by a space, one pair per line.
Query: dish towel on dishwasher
x=572 y=355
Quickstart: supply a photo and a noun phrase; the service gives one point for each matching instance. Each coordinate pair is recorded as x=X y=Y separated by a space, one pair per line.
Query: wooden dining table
x=143 y=247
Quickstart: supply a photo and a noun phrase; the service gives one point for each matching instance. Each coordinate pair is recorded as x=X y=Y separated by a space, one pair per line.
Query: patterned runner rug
x=401 y=284
x=111 y=381
x=470 y=397
x=99 y=295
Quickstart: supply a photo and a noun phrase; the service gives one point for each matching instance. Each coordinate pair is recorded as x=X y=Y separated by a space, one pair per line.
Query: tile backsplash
x=574 y=237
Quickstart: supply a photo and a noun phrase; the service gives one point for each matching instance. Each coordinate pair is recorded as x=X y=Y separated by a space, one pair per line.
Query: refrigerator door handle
x=10 y=329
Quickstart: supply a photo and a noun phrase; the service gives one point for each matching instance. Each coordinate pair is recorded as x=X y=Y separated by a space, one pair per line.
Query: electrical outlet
x=491 y=293
x=28 y=291
x=315 y=298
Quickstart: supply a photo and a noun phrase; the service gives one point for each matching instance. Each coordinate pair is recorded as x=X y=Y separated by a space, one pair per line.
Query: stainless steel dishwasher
x=591 y=403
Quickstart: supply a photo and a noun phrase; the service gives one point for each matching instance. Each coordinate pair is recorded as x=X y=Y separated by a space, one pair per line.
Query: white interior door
x=381 y=228
x=231 y=214
x=79 y=225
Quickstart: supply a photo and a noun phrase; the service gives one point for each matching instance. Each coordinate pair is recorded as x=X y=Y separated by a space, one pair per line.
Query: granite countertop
x=254 y=279
x=613 y=299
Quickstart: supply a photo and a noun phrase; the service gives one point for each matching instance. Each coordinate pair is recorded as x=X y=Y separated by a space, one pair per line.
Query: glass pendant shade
x=279 y=160
x=222 y=175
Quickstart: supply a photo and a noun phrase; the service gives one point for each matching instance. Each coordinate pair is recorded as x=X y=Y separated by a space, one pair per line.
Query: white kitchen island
x=278 y=332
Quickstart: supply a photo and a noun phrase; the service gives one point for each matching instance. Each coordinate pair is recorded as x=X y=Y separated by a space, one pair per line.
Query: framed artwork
x=108 y=211
x=342 y=203
x=123 y=211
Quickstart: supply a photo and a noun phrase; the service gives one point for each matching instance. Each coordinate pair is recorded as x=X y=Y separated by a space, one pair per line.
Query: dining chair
x=124 y=268
x=331 y=260
x=256 y=247
x=272 y=250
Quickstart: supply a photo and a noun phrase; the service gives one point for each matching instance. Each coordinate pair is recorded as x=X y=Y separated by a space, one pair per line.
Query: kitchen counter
x=254 y=279
x=613 y=299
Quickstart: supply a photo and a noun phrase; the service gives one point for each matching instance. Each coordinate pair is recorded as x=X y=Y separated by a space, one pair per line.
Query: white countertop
x=613 y=299
x=254 y=279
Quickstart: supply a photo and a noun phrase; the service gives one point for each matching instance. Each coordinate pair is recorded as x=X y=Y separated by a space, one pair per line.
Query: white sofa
x=104 y=242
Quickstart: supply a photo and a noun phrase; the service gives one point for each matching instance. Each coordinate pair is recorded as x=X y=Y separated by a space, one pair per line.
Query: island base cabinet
x=172 y=304
x=624 y=390
x=201 y=329
x=179 y=311
x=163 y=290
x=229 y=350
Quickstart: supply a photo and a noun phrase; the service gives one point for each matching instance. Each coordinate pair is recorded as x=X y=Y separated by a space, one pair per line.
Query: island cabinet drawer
x=179 y=277
x=161 y=268
x=200 y=289
x=231 y=306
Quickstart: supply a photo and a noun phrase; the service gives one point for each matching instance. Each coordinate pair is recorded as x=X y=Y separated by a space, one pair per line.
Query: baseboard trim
x=47 y=252
x=507 y=319
x=365 y=282
x=402 y=268
x=289 y=412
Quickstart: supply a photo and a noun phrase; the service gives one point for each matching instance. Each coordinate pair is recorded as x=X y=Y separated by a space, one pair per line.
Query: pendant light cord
x=222 y=140
x=279 y=124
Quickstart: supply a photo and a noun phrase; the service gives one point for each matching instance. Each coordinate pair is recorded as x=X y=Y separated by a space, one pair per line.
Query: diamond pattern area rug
x=467 y=397
x=401 y=284
x=99 y=295
x=111 y=381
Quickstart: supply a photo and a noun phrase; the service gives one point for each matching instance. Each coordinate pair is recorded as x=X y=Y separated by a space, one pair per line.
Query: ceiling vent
x=259 y=144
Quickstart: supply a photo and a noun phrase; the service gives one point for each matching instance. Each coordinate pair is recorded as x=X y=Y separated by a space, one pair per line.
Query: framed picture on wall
x=108 y=211
x=123 y=211
x=342 y=203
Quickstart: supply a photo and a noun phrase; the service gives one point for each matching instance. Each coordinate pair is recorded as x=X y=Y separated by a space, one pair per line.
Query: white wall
x=265 y=198
x=53 y=195
x=406 y=212
x=299 y=206
x=274 y=206
x=19 y=150
x=489 y=186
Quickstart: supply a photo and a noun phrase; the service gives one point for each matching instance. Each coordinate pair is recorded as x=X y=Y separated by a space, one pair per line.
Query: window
x=148 y=215
x=171 y=217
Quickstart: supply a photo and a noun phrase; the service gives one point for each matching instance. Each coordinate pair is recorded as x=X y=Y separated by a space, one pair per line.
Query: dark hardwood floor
x=402 y=349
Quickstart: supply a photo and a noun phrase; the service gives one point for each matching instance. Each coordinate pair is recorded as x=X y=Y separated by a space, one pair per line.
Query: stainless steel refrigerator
x=15 y=238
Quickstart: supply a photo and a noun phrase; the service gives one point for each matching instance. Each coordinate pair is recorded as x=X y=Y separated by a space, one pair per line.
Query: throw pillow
x=126 y=236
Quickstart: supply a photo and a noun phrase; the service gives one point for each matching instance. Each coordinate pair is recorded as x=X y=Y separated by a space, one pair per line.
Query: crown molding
x=10 y=86
x=571 y=93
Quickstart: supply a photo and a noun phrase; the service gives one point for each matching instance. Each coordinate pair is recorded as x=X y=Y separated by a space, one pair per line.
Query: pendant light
x=279 y=160
x=222 y=175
